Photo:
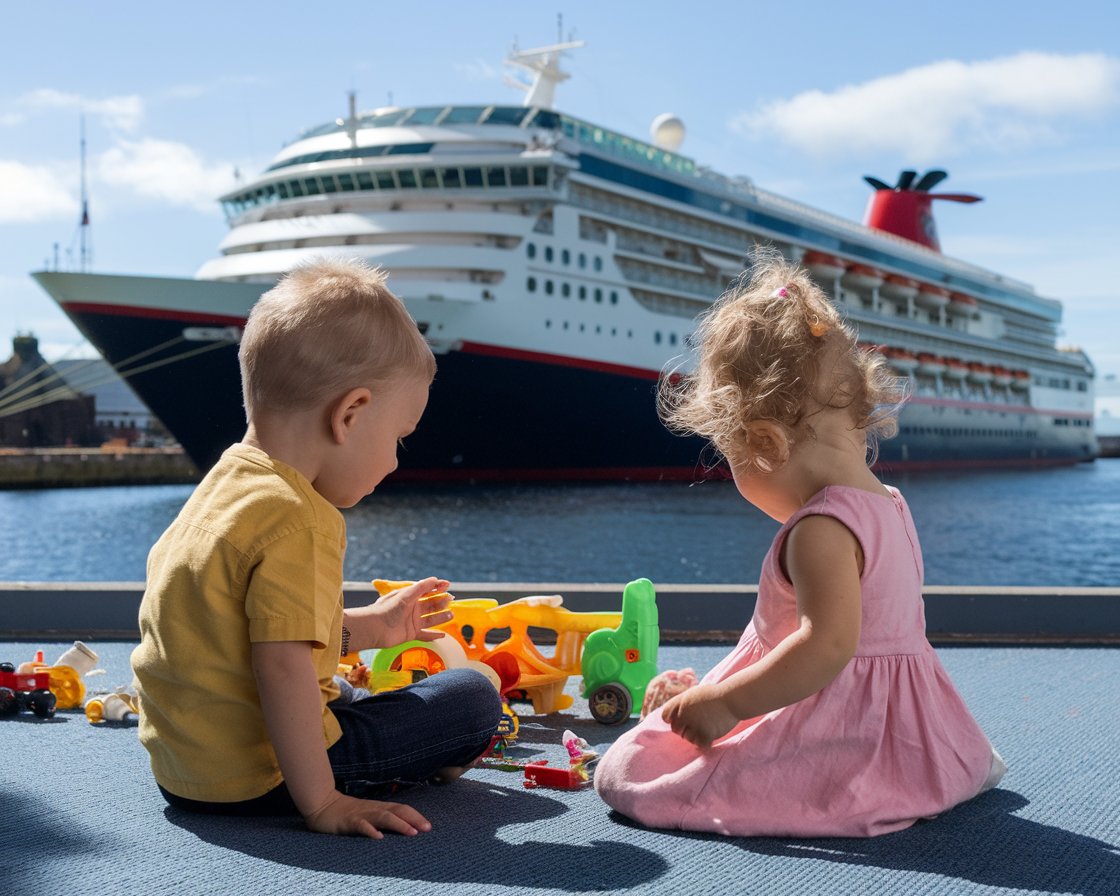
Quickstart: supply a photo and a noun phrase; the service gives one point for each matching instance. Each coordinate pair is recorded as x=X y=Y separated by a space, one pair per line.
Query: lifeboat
x=930 y=363
x=823 y=266
x=979 y=373
x=862 y=277
x=1001 y=376
x=902 y=360
x=962 y=303
x=1020 y=379
x=930 y=296
x=955 y=369
x=898 y=288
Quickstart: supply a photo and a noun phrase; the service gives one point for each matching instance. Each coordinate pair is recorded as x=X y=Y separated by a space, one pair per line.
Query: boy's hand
x=366 y=818
x=408 y=613
x=700 y=715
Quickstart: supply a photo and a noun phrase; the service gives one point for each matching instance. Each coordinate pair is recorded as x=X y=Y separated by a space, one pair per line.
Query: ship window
x=329 y=184
x=565 y=256
x=565 y=325
x=409 y=149
x=545 y=118
x=472 y=177
x=582 y=260
x=583 y=292
x=540 y=176
x=598 y=294
x=548 y=287
x=531 y=250
x=424 y=115
x=407 y=178
x=365 y=181
x=532 y=284
x=507 y=115
x=311 y=186
x=463 y=115
x=614 y=297
x=657 y=337
x=565 y=290
x=548 y=253
x=346 y=182
x=598 y=263
x=519 y=177
x=384 y=120
x=429 y=179
x=385 y=180
x=282 y=189
x=452 y=178
x=672 y=339
x=496 y=177
x=295 y=188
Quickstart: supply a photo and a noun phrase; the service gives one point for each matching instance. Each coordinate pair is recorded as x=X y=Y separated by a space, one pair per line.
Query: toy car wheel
x=42 y=703
x=610 y=704
x=9 y=703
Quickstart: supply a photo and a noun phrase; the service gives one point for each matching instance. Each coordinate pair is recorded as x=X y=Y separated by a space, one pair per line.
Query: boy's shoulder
x=248 y=495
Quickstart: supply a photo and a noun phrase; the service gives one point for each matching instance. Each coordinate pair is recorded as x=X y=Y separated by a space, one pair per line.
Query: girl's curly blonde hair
x=773 y=347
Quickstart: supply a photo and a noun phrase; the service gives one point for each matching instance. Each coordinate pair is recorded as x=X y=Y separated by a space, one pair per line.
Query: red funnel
x=907 y=212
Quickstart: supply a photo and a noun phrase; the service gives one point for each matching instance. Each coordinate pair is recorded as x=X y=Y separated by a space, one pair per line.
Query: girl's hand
x=406 y=614
x=343 y=814
x=700 y=715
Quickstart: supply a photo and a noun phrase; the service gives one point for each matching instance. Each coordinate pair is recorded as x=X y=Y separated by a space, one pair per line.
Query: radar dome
x=667 y=132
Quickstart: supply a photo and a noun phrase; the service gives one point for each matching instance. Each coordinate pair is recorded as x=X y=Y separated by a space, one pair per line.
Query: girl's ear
x=767 y=444
x=344 y=413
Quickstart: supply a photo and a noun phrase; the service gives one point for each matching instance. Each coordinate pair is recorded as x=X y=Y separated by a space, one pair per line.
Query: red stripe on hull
x=187 y=317
x=516 y=354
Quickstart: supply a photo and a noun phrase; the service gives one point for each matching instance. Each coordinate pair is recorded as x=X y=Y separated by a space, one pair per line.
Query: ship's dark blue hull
x=498 y=414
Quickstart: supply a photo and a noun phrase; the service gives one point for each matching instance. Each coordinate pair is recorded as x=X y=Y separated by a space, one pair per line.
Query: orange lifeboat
x=823 y=266
x=955 y=369
x=1020 y=379
x=979 y=373
x=1001 y=376
x=930 y=363
x=902 y=360
x=898 y=288
x=862 y=277
x=930 y=296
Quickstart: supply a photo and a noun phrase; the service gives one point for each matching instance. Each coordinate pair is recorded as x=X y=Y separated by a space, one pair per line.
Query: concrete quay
x=30 y=468
x=687 y=613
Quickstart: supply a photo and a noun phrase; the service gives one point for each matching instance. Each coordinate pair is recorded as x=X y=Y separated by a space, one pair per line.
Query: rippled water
x=1049 y=527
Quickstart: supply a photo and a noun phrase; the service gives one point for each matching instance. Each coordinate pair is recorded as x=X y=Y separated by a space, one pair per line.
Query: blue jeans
x=405 y=736
x=391 y=740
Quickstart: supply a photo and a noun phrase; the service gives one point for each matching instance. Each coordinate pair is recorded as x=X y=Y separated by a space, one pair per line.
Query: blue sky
x=1022 y=108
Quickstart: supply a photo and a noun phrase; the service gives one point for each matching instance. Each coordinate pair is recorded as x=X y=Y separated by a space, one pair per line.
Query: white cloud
x=120 y=112
x=167 y=171
x=478 y=70
x=32 y=193
x=944 y=108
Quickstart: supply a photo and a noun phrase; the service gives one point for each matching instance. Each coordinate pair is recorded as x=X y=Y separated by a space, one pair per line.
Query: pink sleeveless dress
x=887 y=742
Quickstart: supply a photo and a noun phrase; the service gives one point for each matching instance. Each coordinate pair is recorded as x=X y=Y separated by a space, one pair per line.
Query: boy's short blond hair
x=325 y=328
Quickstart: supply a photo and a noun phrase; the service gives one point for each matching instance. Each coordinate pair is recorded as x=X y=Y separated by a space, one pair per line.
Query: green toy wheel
x=610 y=704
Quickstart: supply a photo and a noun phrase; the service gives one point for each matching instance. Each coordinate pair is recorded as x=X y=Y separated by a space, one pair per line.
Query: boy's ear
x=768 y=444
x=344 y=412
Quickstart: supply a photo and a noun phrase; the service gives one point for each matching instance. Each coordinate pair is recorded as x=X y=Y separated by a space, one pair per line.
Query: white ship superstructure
x=556 y=268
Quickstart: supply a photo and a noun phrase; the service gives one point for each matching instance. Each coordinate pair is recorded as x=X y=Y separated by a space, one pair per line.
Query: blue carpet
x=79 y=813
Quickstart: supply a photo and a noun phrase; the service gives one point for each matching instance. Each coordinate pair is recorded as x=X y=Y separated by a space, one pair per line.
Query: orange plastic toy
x=524 y=672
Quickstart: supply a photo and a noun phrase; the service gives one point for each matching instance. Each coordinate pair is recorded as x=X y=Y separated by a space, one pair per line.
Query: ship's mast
x=544 y=64
x=85 y=250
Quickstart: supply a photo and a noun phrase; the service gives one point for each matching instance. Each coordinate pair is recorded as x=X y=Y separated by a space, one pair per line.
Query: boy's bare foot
x=449 y=773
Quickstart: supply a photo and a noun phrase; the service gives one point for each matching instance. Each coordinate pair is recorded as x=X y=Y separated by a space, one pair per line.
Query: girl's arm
x=293 y=714
x=824 y=562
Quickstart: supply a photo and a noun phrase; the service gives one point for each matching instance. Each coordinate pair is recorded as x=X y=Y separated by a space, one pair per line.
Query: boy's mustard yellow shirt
x=254 y=555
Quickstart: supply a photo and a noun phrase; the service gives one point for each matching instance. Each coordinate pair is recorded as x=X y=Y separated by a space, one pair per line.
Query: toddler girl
x=833 y=716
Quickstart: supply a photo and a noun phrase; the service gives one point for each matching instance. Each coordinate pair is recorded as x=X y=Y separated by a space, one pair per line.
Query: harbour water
x=1046 y=527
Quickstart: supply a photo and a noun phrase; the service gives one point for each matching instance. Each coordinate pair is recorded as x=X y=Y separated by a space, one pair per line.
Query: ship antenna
x=85 y=243
x=352 y=120
x=544 y=65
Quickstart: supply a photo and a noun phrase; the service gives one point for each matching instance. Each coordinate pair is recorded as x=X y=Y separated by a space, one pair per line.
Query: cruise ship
x=556 y=267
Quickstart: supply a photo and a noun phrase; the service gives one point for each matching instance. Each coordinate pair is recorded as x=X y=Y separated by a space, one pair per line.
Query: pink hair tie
x=780 y=293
